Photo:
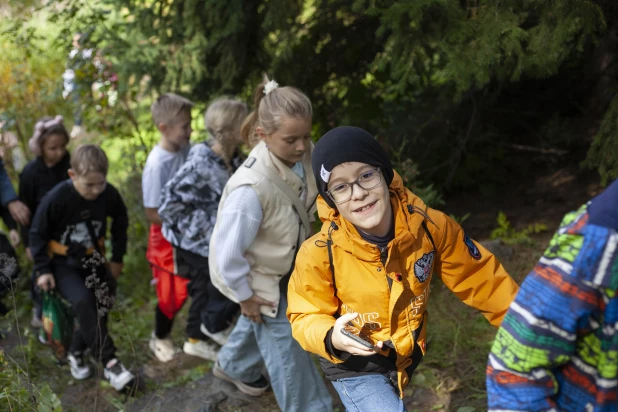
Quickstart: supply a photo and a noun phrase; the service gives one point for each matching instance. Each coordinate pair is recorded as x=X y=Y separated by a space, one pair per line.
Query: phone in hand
x=353 y=333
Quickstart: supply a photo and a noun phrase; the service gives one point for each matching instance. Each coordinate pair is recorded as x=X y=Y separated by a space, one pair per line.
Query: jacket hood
x=409 y=211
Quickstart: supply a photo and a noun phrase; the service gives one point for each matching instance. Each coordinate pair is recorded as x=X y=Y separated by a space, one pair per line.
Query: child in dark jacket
x=67 y=242
x=49 y=145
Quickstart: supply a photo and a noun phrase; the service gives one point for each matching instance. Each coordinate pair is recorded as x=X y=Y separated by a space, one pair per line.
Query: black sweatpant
x=208 y=306
x=35 y=296
x=92 y=332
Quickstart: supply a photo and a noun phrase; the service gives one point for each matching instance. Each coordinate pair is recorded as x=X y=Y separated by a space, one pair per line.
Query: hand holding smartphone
x=351 y=332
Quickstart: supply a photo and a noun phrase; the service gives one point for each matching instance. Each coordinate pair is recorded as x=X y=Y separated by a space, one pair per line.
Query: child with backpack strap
x=359 y=290
x=69 y=227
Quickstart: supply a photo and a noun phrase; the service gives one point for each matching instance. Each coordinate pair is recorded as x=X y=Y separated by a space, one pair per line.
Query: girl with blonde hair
x=262 y=220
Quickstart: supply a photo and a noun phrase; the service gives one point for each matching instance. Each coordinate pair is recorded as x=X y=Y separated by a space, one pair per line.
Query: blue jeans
x=296 y=382
x=369 y=393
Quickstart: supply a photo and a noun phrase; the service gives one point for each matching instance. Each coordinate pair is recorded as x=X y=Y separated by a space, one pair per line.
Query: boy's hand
x=116 y=269
x=343 y=343
x=14 y=237
x=46 y=282
x=250 y=308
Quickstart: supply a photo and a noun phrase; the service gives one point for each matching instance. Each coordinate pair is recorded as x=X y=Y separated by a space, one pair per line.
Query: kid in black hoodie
x=67 y=243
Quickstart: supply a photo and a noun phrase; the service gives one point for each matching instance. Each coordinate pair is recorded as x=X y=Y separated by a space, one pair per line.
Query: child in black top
x=50 y=167
x=49 y=144
x=67 y=230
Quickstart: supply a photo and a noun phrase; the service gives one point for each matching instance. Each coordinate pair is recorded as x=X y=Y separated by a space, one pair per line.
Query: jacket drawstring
x=412 y=209
x=329 y=244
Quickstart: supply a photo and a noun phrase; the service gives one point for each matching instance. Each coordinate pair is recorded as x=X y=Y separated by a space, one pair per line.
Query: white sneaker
x=80 y=370
x=117 y=375
x=35 y=322
x=163 y=349
x=201 y=349
x=219 y=337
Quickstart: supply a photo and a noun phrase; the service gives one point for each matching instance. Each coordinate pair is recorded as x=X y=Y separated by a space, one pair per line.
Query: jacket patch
x=249 y=162
x=472 y=249
x=423 y=266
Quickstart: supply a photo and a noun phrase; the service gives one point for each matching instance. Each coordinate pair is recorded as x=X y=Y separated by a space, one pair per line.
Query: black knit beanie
x=346 y=144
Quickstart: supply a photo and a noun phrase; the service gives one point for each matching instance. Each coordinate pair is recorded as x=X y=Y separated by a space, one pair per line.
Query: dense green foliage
x=464 y=84
x=466 y=88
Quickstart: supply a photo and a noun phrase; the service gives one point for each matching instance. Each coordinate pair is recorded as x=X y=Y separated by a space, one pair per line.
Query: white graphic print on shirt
x=78 y=233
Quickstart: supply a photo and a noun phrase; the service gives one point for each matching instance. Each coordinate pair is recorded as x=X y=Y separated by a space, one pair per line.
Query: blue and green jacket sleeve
x=557 y=347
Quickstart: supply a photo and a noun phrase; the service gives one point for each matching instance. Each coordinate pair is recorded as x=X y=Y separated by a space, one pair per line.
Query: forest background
x=470 y=97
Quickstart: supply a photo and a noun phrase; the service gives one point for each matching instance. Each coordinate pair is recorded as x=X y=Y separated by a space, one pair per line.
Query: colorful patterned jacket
x=557 y=347
x=190 y=199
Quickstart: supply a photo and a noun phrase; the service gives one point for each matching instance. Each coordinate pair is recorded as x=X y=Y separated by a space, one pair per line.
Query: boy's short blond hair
x=168 y=106
x=88 y=158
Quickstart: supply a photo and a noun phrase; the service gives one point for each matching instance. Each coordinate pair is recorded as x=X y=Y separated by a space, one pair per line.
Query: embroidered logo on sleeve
x=324 y=174
x=472 y=249
x=423 y=266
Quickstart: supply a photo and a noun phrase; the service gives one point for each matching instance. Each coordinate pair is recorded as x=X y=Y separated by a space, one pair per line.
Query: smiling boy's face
x=368 y=210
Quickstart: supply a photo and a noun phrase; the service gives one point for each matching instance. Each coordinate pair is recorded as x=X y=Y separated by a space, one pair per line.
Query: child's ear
x=162 y=127
x=71 y=173
x=260 y=133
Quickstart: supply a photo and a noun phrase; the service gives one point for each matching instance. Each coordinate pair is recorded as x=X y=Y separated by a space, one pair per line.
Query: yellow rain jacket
x=392 y=310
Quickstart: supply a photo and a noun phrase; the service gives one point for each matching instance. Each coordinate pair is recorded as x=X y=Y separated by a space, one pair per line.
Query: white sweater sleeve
x=239 y=222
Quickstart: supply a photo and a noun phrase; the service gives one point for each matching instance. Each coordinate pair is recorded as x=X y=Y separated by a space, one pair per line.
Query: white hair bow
x=270 y=86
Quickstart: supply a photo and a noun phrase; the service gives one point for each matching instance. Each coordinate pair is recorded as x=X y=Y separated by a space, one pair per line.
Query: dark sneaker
x=79 y=369
x=256 y=388
x=117 y=375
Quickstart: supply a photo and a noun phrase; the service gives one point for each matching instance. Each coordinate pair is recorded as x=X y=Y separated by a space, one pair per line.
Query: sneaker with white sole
x=256 y=388
x=117 y=375
x=163 y=349
x=42 y=337
x=80 y=370
x=220 y=337
x=201 y=349
x=35 y=322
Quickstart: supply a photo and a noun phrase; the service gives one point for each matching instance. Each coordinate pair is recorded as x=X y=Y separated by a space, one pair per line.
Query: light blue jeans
x=296 y=382
x=369 y=393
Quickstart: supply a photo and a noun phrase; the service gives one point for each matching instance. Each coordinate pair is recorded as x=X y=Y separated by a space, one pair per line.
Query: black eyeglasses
x=367 y=180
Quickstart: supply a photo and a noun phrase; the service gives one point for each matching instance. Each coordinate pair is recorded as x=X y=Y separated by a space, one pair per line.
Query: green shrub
x=510 y=236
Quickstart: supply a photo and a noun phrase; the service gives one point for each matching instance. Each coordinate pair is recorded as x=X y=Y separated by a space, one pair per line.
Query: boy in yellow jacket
x=359 y=291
